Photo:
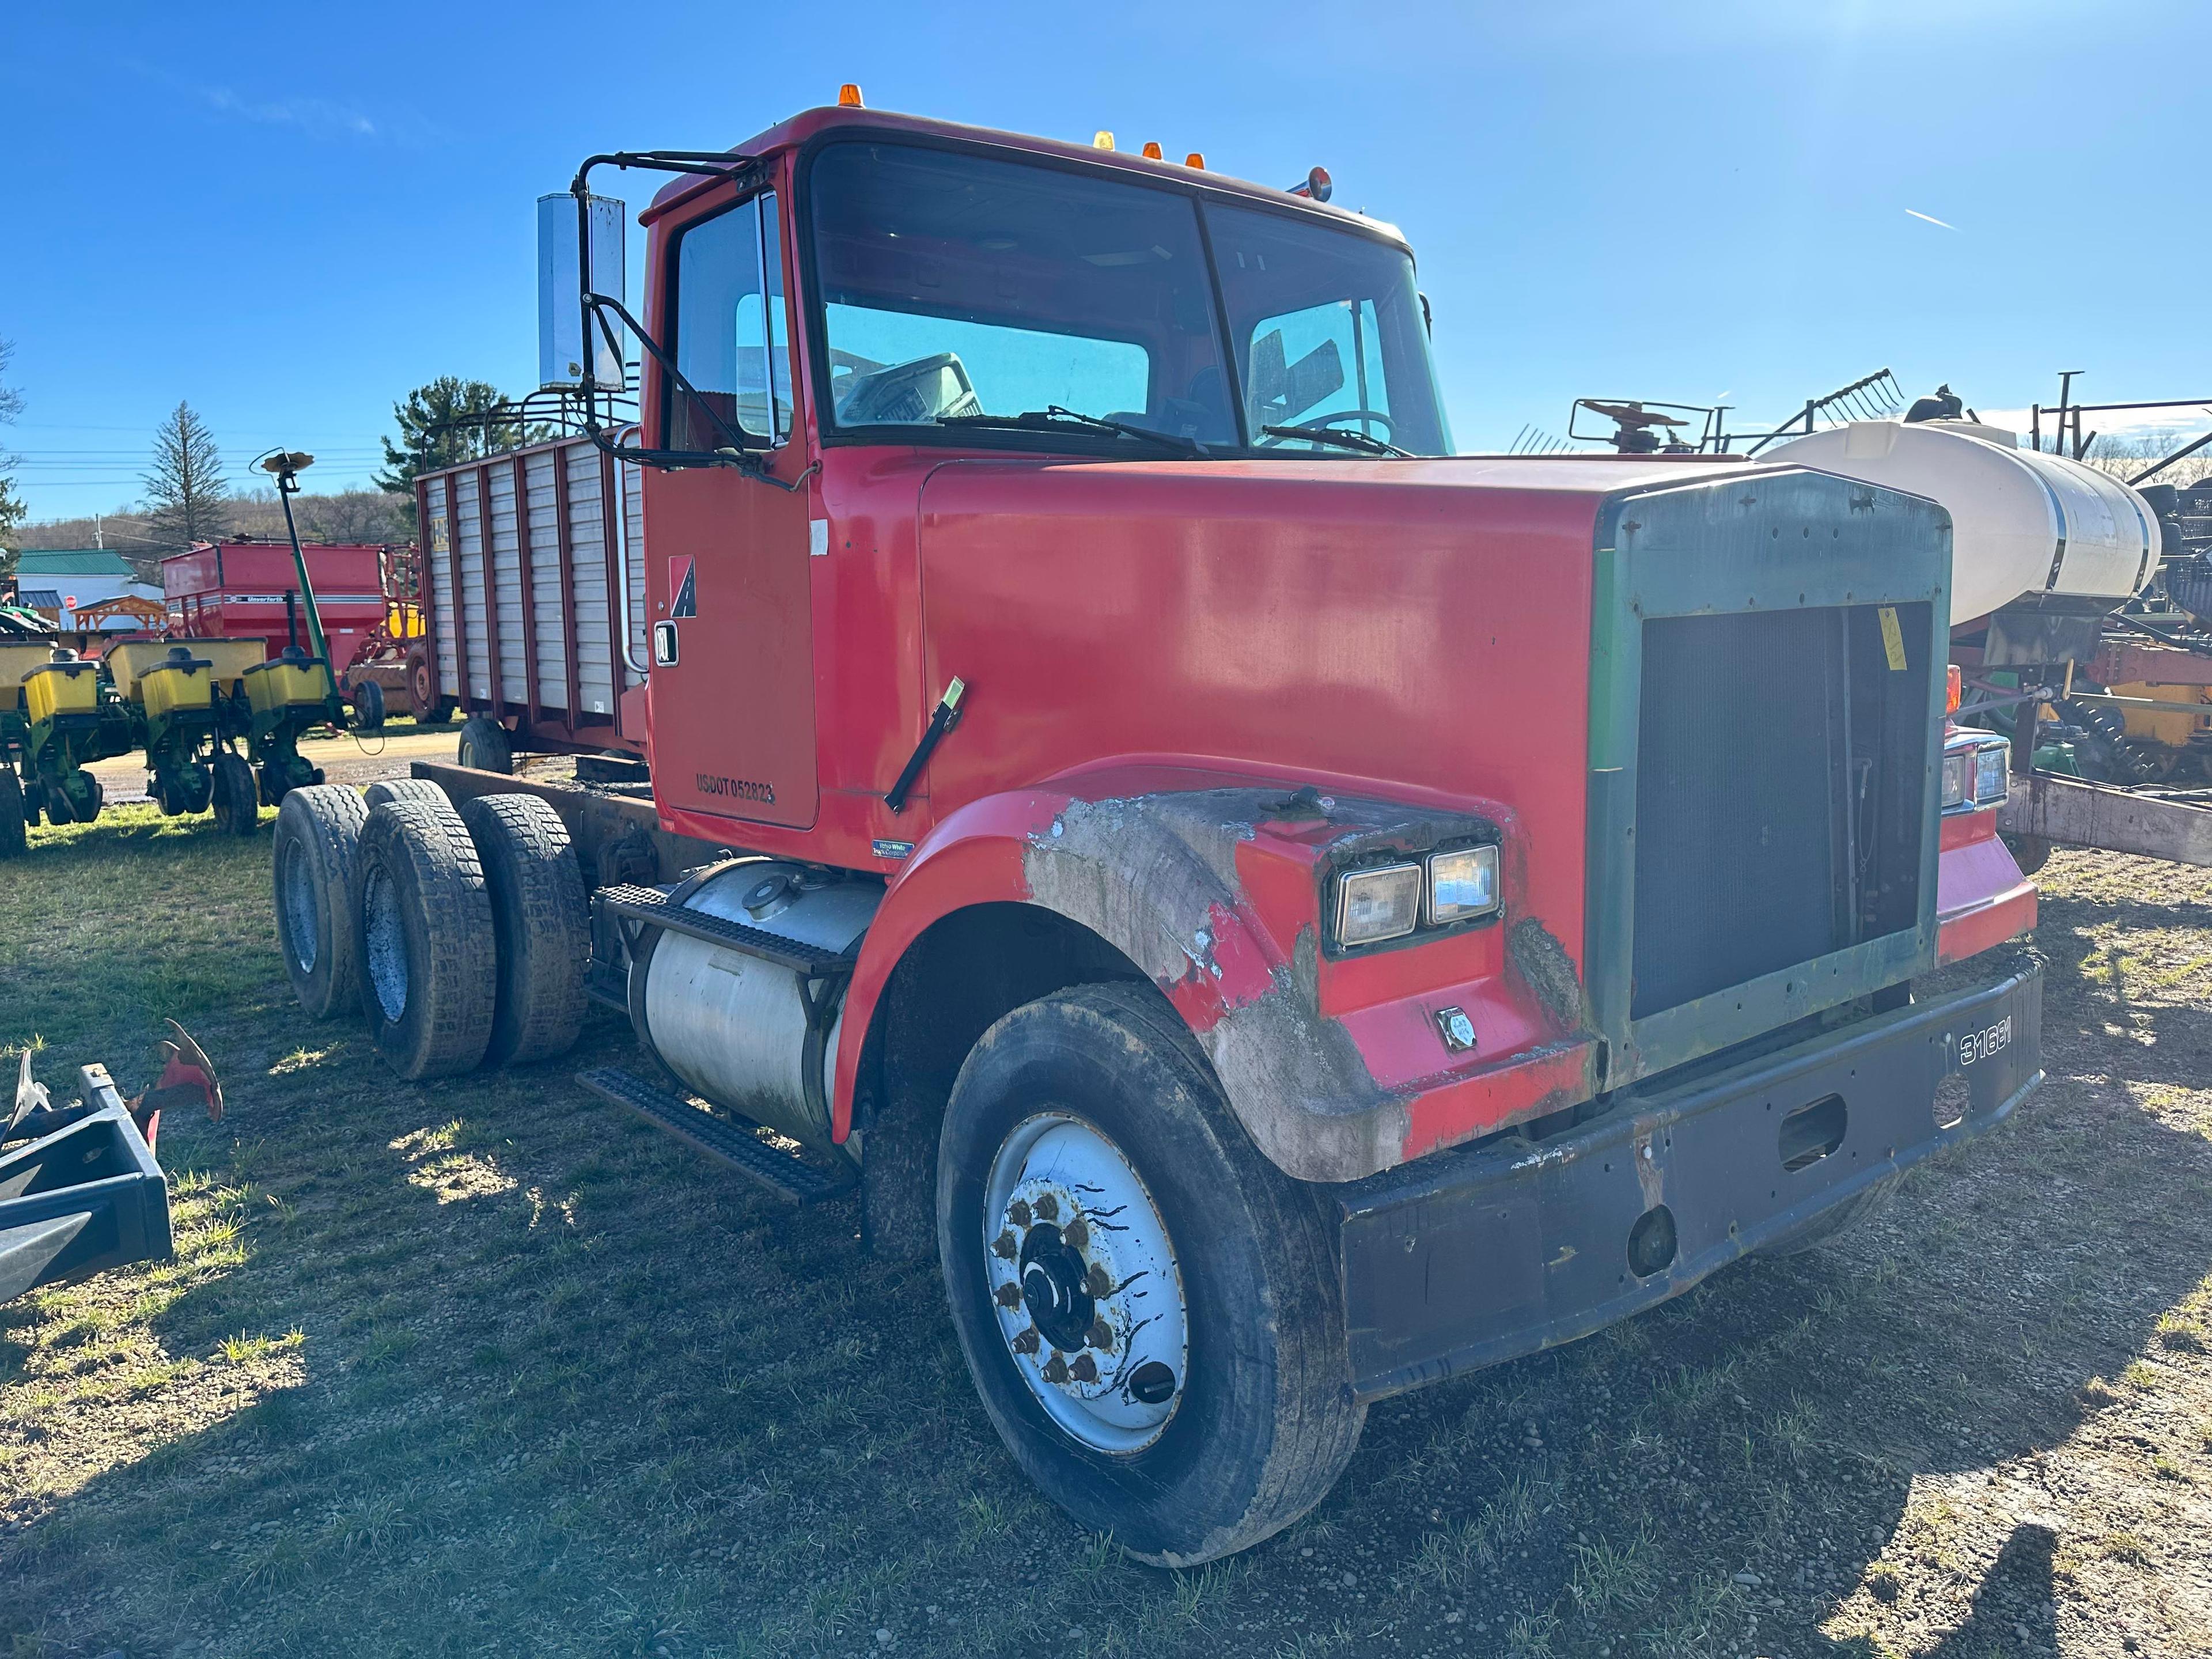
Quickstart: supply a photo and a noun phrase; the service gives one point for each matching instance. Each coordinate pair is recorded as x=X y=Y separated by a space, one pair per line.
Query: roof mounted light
x=1152 y=152
x=1194 y=160
x=849 y=95
x=1317 y=186
x=1102 y=139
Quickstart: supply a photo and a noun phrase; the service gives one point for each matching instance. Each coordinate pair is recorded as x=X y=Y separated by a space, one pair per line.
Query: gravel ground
x=474 y=1367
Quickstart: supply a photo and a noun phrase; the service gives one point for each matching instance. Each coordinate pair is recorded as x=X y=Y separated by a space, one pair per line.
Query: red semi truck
x=1284 y=912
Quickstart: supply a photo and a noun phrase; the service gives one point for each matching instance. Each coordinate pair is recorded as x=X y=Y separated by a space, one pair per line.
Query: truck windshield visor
x=1328 y=333
x=955 y=286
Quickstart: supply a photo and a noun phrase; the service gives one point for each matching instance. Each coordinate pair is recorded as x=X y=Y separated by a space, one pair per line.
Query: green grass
x=478 y=1367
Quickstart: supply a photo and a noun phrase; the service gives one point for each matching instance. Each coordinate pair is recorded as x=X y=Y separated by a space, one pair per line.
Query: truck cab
x=1285 y=911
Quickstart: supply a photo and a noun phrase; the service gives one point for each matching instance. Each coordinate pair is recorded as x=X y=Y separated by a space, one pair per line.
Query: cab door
x=732 y=703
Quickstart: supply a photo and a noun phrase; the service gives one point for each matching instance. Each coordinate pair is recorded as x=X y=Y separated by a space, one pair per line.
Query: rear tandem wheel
x=541 y=916
x=423 y=923
x=318 y=830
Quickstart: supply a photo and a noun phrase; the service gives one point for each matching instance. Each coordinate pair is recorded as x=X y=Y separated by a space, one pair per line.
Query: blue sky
x=291 y=216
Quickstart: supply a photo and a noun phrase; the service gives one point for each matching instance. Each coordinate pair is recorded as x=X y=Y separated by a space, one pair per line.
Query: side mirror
x=560 y=295
x=1428 y=317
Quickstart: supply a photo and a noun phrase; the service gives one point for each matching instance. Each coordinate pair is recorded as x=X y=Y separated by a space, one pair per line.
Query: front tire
x=1087 y=1126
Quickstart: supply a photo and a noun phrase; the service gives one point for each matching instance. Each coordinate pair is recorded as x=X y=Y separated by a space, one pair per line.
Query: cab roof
x=831 y=119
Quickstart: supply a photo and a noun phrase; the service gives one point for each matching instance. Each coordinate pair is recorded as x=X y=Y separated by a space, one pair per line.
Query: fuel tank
x=2024 y=526
x=736 y=1028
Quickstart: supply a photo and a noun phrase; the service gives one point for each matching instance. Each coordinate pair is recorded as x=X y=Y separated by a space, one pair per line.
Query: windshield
x=955 y=286
x=960 y=290
x=1328 y=331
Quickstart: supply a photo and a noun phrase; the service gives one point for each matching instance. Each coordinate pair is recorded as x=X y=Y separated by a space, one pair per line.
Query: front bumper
x=1466 y=1259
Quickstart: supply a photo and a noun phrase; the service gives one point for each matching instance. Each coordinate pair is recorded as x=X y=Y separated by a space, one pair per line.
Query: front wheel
x=1149 y=1307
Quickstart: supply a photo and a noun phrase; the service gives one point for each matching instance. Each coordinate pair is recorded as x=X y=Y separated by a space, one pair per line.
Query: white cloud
x=319 y=116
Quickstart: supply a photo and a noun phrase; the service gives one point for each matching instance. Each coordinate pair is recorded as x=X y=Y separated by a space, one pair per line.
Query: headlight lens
x=1957 y=779
x=1373 y=905
x=1993 y=775
x=1462 y=885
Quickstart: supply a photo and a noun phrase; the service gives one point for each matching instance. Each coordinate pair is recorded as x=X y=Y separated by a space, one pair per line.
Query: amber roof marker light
x=849 y=95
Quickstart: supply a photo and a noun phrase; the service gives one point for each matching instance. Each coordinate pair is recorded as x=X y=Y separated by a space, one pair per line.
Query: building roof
x=70 y=561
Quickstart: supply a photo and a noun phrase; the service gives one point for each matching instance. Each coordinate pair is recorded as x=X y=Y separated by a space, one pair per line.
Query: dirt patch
x=478 y=1367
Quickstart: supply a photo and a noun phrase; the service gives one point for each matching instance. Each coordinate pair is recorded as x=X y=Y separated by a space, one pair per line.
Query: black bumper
x=1467 y=1259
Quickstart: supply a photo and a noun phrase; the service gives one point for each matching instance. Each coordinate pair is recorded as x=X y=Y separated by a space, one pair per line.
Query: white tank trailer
x=2042 y=547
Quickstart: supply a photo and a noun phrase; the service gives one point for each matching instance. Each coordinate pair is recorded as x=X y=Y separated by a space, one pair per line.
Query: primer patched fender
x=1158 y=876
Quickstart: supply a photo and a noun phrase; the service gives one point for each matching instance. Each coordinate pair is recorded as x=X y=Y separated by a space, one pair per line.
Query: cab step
x=729 y=1139
x=652 y=906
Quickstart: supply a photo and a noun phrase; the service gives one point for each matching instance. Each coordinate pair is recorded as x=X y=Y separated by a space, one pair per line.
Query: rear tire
x=237 y=796
x=384 y=789
x=541 y=916
x=423 y=921
x=1262 y=1419
x=14 y=840
x=485 y=746
x=318 y=830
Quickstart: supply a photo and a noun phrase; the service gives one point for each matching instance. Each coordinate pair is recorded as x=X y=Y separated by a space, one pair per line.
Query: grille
x=1781 y=772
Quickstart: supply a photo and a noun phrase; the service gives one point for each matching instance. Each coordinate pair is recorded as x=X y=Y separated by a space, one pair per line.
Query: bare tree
x=12 y=509
x=345 y=515
x=187 y=498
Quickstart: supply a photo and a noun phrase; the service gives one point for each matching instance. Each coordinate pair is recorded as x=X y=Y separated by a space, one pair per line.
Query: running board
x=652 y=906
x=730 y=1140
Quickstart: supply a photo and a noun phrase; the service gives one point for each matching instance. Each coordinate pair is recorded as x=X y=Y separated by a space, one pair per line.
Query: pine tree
x=187 y=499
x=12 y=509
x=445 y=422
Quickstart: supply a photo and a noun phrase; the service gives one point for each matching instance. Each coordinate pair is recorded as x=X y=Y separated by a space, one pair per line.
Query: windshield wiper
x=1045 y=419
x=1329 y=435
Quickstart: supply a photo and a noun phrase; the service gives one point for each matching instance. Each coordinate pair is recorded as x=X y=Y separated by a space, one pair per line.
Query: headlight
x=1992 y=773
x=1462 y=885
x=1975 y=775
x=1957 y=779
x=1373 y=905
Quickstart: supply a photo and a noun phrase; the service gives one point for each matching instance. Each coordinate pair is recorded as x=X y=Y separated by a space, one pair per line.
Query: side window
x=732 y=329
x=1307 y=366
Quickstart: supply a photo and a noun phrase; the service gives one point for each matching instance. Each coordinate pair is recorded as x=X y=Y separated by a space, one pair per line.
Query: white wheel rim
x=298 y=884
x=386 y=942
x=1083 y=1279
